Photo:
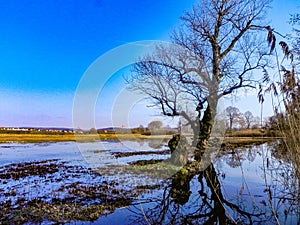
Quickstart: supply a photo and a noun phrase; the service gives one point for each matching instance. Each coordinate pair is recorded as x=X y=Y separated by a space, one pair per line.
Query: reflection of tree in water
x=152 y=143
x=234 y=159
x=194 y=196
x=212 y=205
x=206 y=205
x=235 y=156
x=251 y=154
x=156 y=143
x=283 y=172
x=282 y=183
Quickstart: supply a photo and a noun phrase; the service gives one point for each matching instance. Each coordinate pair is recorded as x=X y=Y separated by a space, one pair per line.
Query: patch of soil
x=127 y=154
x=21 y=170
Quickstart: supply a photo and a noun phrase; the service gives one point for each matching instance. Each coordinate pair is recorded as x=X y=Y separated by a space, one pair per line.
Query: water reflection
x=254 y=185
x=251 y=185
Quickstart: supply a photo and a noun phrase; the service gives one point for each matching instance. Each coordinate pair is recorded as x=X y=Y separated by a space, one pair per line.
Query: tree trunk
x=179 y=144
x=205 y=131
x=230 y=125
x=179 y=150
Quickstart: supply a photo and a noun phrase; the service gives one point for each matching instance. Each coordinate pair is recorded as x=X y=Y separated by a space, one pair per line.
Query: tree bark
x=179 y=150
x=206 y=124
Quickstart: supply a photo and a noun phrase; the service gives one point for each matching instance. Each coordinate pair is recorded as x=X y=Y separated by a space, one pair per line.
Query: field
x=40 y=137
x=240 y=137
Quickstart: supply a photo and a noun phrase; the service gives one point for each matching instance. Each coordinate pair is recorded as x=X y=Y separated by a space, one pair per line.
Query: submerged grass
x=153 y=168
x=37 y=211
x=67 y=202
x=128 y=154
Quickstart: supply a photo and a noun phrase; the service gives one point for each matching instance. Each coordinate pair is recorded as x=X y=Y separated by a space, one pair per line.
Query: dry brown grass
x=247 y=137
x=35 y=137
x=32 y=138
x=240 y=141
x=241 y=137
x=247 y=133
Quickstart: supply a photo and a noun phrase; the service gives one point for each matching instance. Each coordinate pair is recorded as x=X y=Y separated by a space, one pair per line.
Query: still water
x=249 y=185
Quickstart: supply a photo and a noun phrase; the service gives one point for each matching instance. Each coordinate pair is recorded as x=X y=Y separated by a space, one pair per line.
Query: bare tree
x=241 y=121
x=220 y=47
x=155 y=125
x=93 y=131
x=249 y=118
x=233 y=115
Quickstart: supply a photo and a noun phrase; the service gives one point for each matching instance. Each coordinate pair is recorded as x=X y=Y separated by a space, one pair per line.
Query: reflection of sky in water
x=249 y=171
x=70 y=151
x=15 y=153
x=245 y=184
x=99 y=154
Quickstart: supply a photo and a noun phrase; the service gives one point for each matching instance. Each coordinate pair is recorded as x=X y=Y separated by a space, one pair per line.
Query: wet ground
x=93 y=183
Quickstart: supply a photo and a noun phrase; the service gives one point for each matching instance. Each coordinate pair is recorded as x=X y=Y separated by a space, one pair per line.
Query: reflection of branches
x=179 y=205
x=214 y=184
x=281 y=192
x=269 y=192
x=195 y=196
x=156 y=144
x=251 y=154
x=234 y=159
x=283 y=177
x=234 y=156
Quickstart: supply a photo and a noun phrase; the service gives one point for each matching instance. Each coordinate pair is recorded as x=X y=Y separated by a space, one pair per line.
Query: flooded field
x=92 y=183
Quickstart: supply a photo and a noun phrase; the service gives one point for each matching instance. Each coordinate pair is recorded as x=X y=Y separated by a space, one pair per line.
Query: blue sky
x=46 y=46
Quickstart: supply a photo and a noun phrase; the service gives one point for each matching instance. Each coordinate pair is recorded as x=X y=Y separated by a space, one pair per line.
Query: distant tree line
x=153 y=128
x=35 y=131
x=239 y=120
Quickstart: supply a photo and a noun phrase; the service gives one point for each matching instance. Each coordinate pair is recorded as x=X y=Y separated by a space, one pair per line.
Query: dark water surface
x=254 y=184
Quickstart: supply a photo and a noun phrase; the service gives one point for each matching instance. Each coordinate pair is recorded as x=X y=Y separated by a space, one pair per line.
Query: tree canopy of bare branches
x=249 y=118
x=214 y=52
x=233 y=115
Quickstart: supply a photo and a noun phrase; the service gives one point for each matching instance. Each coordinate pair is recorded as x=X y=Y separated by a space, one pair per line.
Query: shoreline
x=38 y=138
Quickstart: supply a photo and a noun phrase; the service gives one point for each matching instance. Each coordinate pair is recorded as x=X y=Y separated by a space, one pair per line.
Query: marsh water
x=246 y=185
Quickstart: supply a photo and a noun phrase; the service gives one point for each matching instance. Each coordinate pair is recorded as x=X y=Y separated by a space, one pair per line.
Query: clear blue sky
x=46 y=46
